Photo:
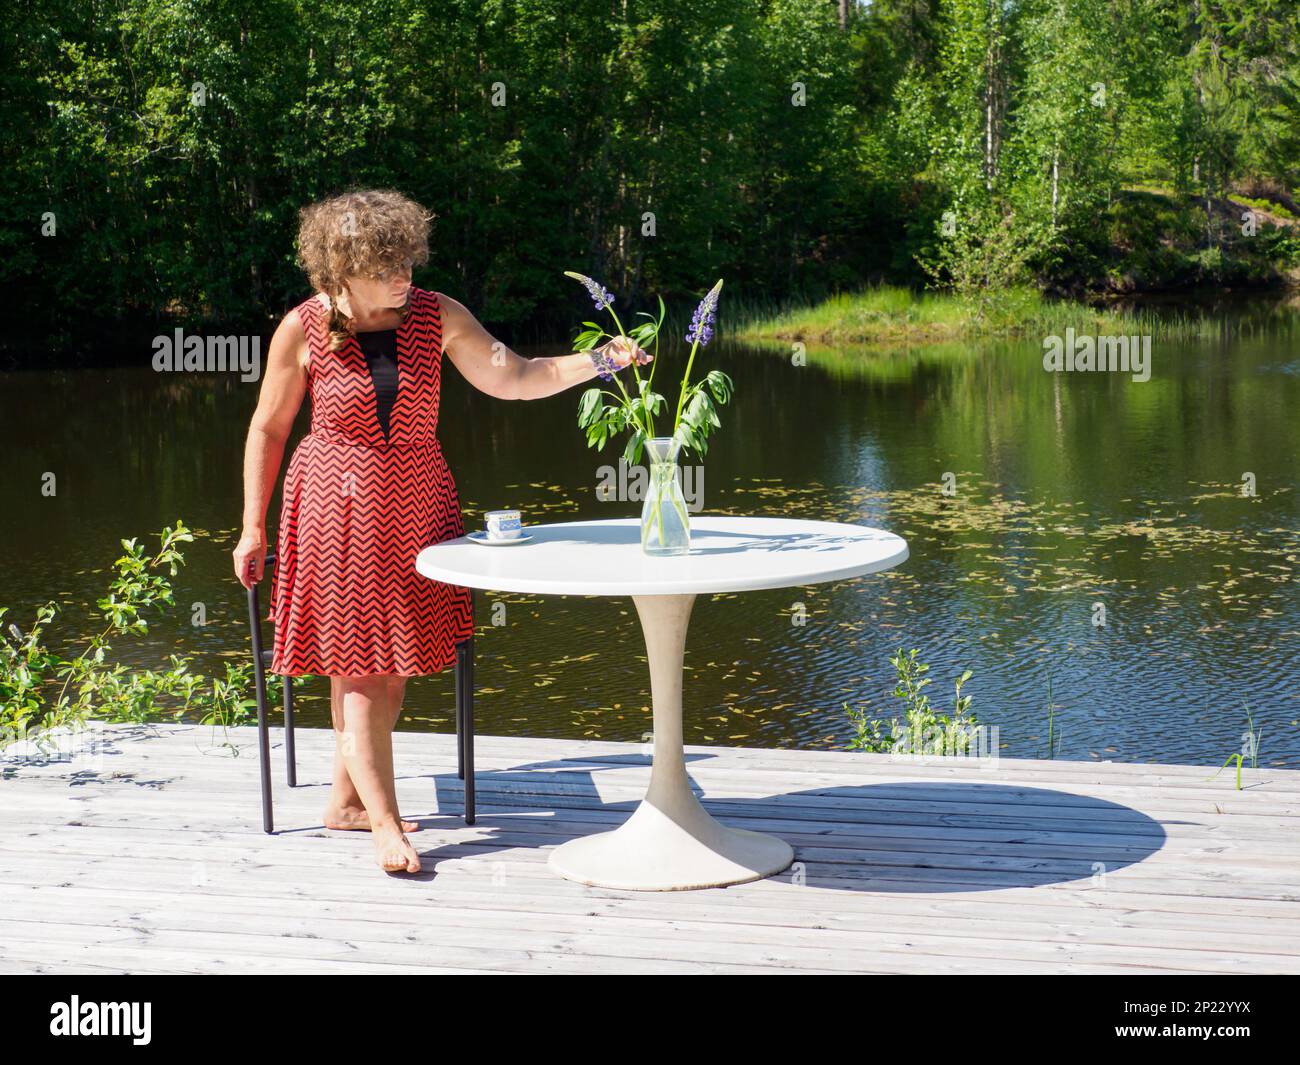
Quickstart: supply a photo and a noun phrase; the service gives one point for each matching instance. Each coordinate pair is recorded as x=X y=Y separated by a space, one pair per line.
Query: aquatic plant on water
x=604 y=414
x=923 y=729
x=1053 y=736
x=1250 y=741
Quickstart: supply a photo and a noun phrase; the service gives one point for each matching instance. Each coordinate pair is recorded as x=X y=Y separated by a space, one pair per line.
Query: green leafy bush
x=923 y=729
x=40 y=690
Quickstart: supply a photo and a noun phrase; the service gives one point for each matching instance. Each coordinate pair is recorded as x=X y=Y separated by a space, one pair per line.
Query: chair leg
x=469 y=731
x=460 y=710
x=264 y=756
x=263 y=731
x=290 y=758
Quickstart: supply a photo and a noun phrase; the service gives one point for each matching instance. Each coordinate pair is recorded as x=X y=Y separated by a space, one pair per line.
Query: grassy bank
x=1148 y=243
x=891 y=317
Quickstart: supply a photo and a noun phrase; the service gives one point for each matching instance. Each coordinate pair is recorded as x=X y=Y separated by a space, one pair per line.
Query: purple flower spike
x=701 y=330
x=599 y=294
x=605 y=366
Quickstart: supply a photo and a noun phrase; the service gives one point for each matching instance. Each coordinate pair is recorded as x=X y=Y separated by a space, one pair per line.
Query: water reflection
x=1027 y=498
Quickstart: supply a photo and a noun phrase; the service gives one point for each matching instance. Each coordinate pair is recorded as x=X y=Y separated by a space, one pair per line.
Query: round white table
x=670 y=843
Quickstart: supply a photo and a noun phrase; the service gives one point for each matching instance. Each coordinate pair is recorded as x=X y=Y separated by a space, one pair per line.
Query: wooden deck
x=149 y=857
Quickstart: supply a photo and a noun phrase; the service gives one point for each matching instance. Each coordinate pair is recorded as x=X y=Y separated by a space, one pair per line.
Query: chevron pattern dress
x=358 y=507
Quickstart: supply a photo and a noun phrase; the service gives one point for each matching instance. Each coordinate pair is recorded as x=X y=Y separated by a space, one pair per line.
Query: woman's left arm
x=491 y=367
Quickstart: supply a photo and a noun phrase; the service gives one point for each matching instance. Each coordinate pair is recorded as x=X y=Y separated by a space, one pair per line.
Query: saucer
x=480 y=536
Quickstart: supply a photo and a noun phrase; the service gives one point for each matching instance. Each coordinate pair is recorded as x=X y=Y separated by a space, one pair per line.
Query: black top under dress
x=380 y=350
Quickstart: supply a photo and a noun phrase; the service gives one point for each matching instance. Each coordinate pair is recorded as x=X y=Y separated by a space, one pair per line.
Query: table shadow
x=904 y=837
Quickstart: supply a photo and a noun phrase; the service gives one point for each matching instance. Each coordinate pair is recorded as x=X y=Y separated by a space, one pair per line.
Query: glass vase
x=665 y=526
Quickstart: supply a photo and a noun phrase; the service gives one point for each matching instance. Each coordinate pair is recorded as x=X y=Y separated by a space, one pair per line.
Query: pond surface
x=1037 y=507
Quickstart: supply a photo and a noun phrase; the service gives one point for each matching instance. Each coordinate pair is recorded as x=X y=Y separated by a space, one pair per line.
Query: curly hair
x=363 y=233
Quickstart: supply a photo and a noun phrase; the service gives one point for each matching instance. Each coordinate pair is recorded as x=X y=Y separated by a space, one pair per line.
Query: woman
x=368 y=487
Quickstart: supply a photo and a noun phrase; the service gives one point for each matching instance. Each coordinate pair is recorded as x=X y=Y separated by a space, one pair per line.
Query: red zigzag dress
x=357 y=509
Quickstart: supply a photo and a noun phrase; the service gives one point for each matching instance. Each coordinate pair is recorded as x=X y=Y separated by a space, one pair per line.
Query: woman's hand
x=622 y=351
x=250 y=557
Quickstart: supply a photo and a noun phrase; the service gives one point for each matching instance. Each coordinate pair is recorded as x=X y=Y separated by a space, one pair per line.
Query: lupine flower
x=599 y=294
x=701 y=329
x=605 y=366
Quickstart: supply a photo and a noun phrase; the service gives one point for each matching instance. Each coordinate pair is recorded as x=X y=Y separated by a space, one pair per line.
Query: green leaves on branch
x=40 y=690
x=924 y=730
x=24 y=665
x=648 y=332
x=699 y=416
x=603 y=421
x=137 y=587
x=589 y=337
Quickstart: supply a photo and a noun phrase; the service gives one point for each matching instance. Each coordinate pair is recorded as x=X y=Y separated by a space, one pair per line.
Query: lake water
x=1032 y=503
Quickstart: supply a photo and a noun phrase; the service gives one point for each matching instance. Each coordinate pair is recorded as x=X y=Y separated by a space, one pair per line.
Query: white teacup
x=503 y=524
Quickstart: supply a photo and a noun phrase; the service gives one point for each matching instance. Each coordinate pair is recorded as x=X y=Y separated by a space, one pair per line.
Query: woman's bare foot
x=394 y=851
x=356 y=819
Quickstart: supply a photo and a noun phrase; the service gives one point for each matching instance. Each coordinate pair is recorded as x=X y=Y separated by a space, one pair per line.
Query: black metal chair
x=262 y=662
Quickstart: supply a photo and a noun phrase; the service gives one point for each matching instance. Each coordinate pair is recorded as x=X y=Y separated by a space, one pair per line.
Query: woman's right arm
x=283 y=388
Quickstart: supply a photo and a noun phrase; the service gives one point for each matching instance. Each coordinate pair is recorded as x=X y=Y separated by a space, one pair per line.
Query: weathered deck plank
x=151 y=859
